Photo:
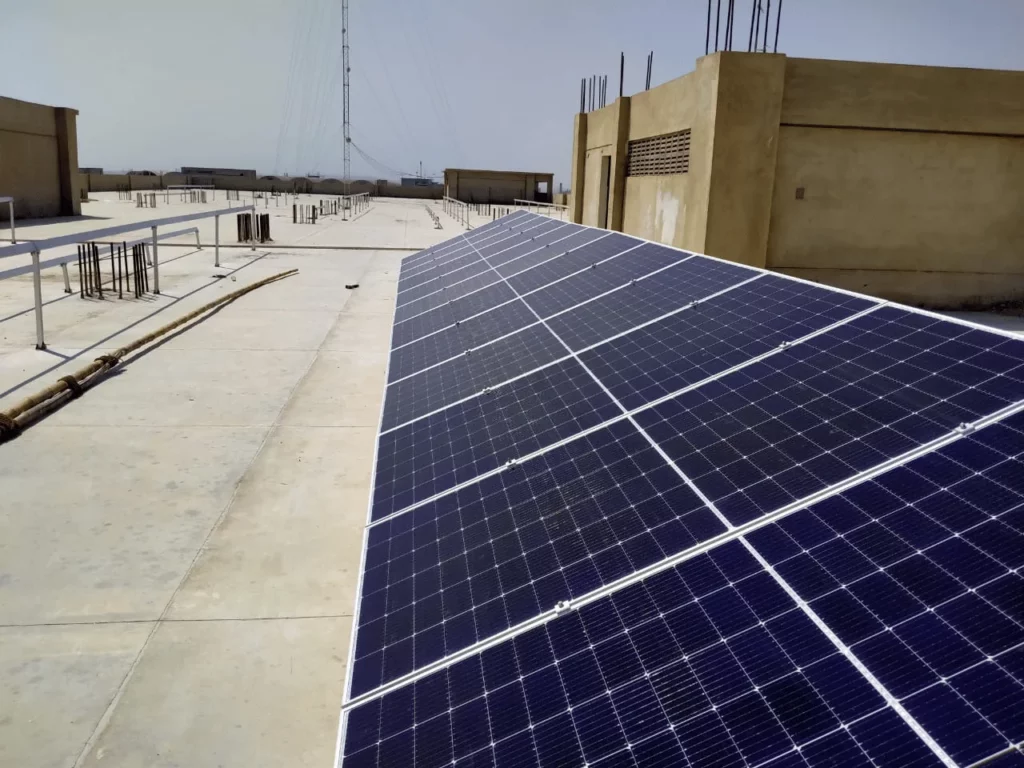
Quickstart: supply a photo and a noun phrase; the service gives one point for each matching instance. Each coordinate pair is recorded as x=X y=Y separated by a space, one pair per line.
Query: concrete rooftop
x=179 y=548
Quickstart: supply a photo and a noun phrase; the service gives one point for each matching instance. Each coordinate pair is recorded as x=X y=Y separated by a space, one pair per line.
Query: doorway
x=602 y=209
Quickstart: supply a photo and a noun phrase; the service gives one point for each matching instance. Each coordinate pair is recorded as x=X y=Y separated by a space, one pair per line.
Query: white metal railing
x=10 y=212
x=457 y=209
x=356 y=203
x=547 y=209
x=35 y=247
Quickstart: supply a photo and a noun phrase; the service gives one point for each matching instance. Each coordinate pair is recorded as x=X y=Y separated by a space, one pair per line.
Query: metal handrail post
x=156 y=265
x=67 y=278
x=37 y=285
x=216 y=241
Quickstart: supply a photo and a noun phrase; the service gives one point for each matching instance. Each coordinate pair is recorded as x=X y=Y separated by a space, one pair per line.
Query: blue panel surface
x=709 y=663
x=533 y=235
x=538 y=240
x=407 y=331
x=918 y=572
x=569 y=244
x=421 y=305
x=502 y=551
x=440 y=451
x=823 y=410
x=471 y=284
x=482 y=300
x=583 y=258
x=601 y=277
x=469 y=373
x=628 y=307
x=426 y=351
x=695 y=343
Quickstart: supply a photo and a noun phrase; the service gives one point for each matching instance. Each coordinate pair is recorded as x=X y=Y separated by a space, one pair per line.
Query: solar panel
x=637 y=506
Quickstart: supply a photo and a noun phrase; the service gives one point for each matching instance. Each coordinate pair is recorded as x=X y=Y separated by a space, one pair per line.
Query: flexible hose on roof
x=14 y=420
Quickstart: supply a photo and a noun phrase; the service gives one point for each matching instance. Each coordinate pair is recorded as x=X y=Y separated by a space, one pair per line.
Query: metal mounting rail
x=35 y=247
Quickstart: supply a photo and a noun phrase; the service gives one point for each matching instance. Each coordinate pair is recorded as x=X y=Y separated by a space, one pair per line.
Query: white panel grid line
x=852 y=658
x=467 y=249
x=532 y=325
x=477 y=290
x=535 y=290
x=805 y=607
x=677 y=559
x=905 y=307
x=1002 y=753
x=463 y=249
x=730 y=534
x=638 y=409
x=510 y=261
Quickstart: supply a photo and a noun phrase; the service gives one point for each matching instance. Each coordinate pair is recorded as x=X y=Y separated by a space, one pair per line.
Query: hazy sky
x=467 y=83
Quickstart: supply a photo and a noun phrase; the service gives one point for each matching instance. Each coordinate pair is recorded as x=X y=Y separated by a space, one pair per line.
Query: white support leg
x=37 y=285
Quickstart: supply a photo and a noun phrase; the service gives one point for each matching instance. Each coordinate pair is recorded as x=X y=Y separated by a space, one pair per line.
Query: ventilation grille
x=659 y=155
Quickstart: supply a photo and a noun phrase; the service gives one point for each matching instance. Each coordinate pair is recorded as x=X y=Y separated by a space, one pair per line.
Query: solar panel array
x=638 y=506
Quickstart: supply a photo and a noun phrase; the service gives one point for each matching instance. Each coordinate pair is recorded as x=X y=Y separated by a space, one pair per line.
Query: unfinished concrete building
x=905 y=182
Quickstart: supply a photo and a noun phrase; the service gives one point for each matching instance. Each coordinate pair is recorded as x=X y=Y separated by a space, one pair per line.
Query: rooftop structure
x=499 y=187
x=39 y=169
x=208 y=171
x=898 y=181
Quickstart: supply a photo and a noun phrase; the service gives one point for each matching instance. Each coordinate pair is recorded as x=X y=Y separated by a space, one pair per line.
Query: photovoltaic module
x=638 y=506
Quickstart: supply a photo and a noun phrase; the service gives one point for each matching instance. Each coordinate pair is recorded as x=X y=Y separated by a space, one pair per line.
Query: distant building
x=504 y=187
x=204 y=171
x=418 y=181
x=90 y=170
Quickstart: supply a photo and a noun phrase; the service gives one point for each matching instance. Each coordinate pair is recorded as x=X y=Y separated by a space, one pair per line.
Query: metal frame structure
x=35 y=247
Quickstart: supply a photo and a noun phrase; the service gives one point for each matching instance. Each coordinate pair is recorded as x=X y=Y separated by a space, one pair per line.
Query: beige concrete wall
x=602 y=129
x=900 y=97
x=673 y=209
x=743 y=163
x=480 y=186
x=39 y=158
x=929 y=218
x=577 y=181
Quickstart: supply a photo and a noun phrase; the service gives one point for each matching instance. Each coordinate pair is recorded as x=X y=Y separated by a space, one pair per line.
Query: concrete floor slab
x=102 y=524
x=57 y=683
x=276 y=553
x=214 y=490
x=226 y=387
x=209 y=694
x=342 y=389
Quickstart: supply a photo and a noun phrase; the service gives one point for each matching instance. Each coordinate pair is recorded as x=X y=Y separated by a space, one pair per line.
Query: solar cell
x=433 y=454
x=648 y=466
x=504 y=550
x=710 y=663
x=417 y=326
x=631 y=304
x=469 y=374
x=918 y=571
x=571 y=243
x=840 y=403
x=693 y=344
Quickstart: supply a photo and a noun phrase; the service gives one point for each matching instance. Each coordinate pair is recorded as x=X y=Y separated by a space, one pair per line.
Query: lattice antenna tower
x=346 y=125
